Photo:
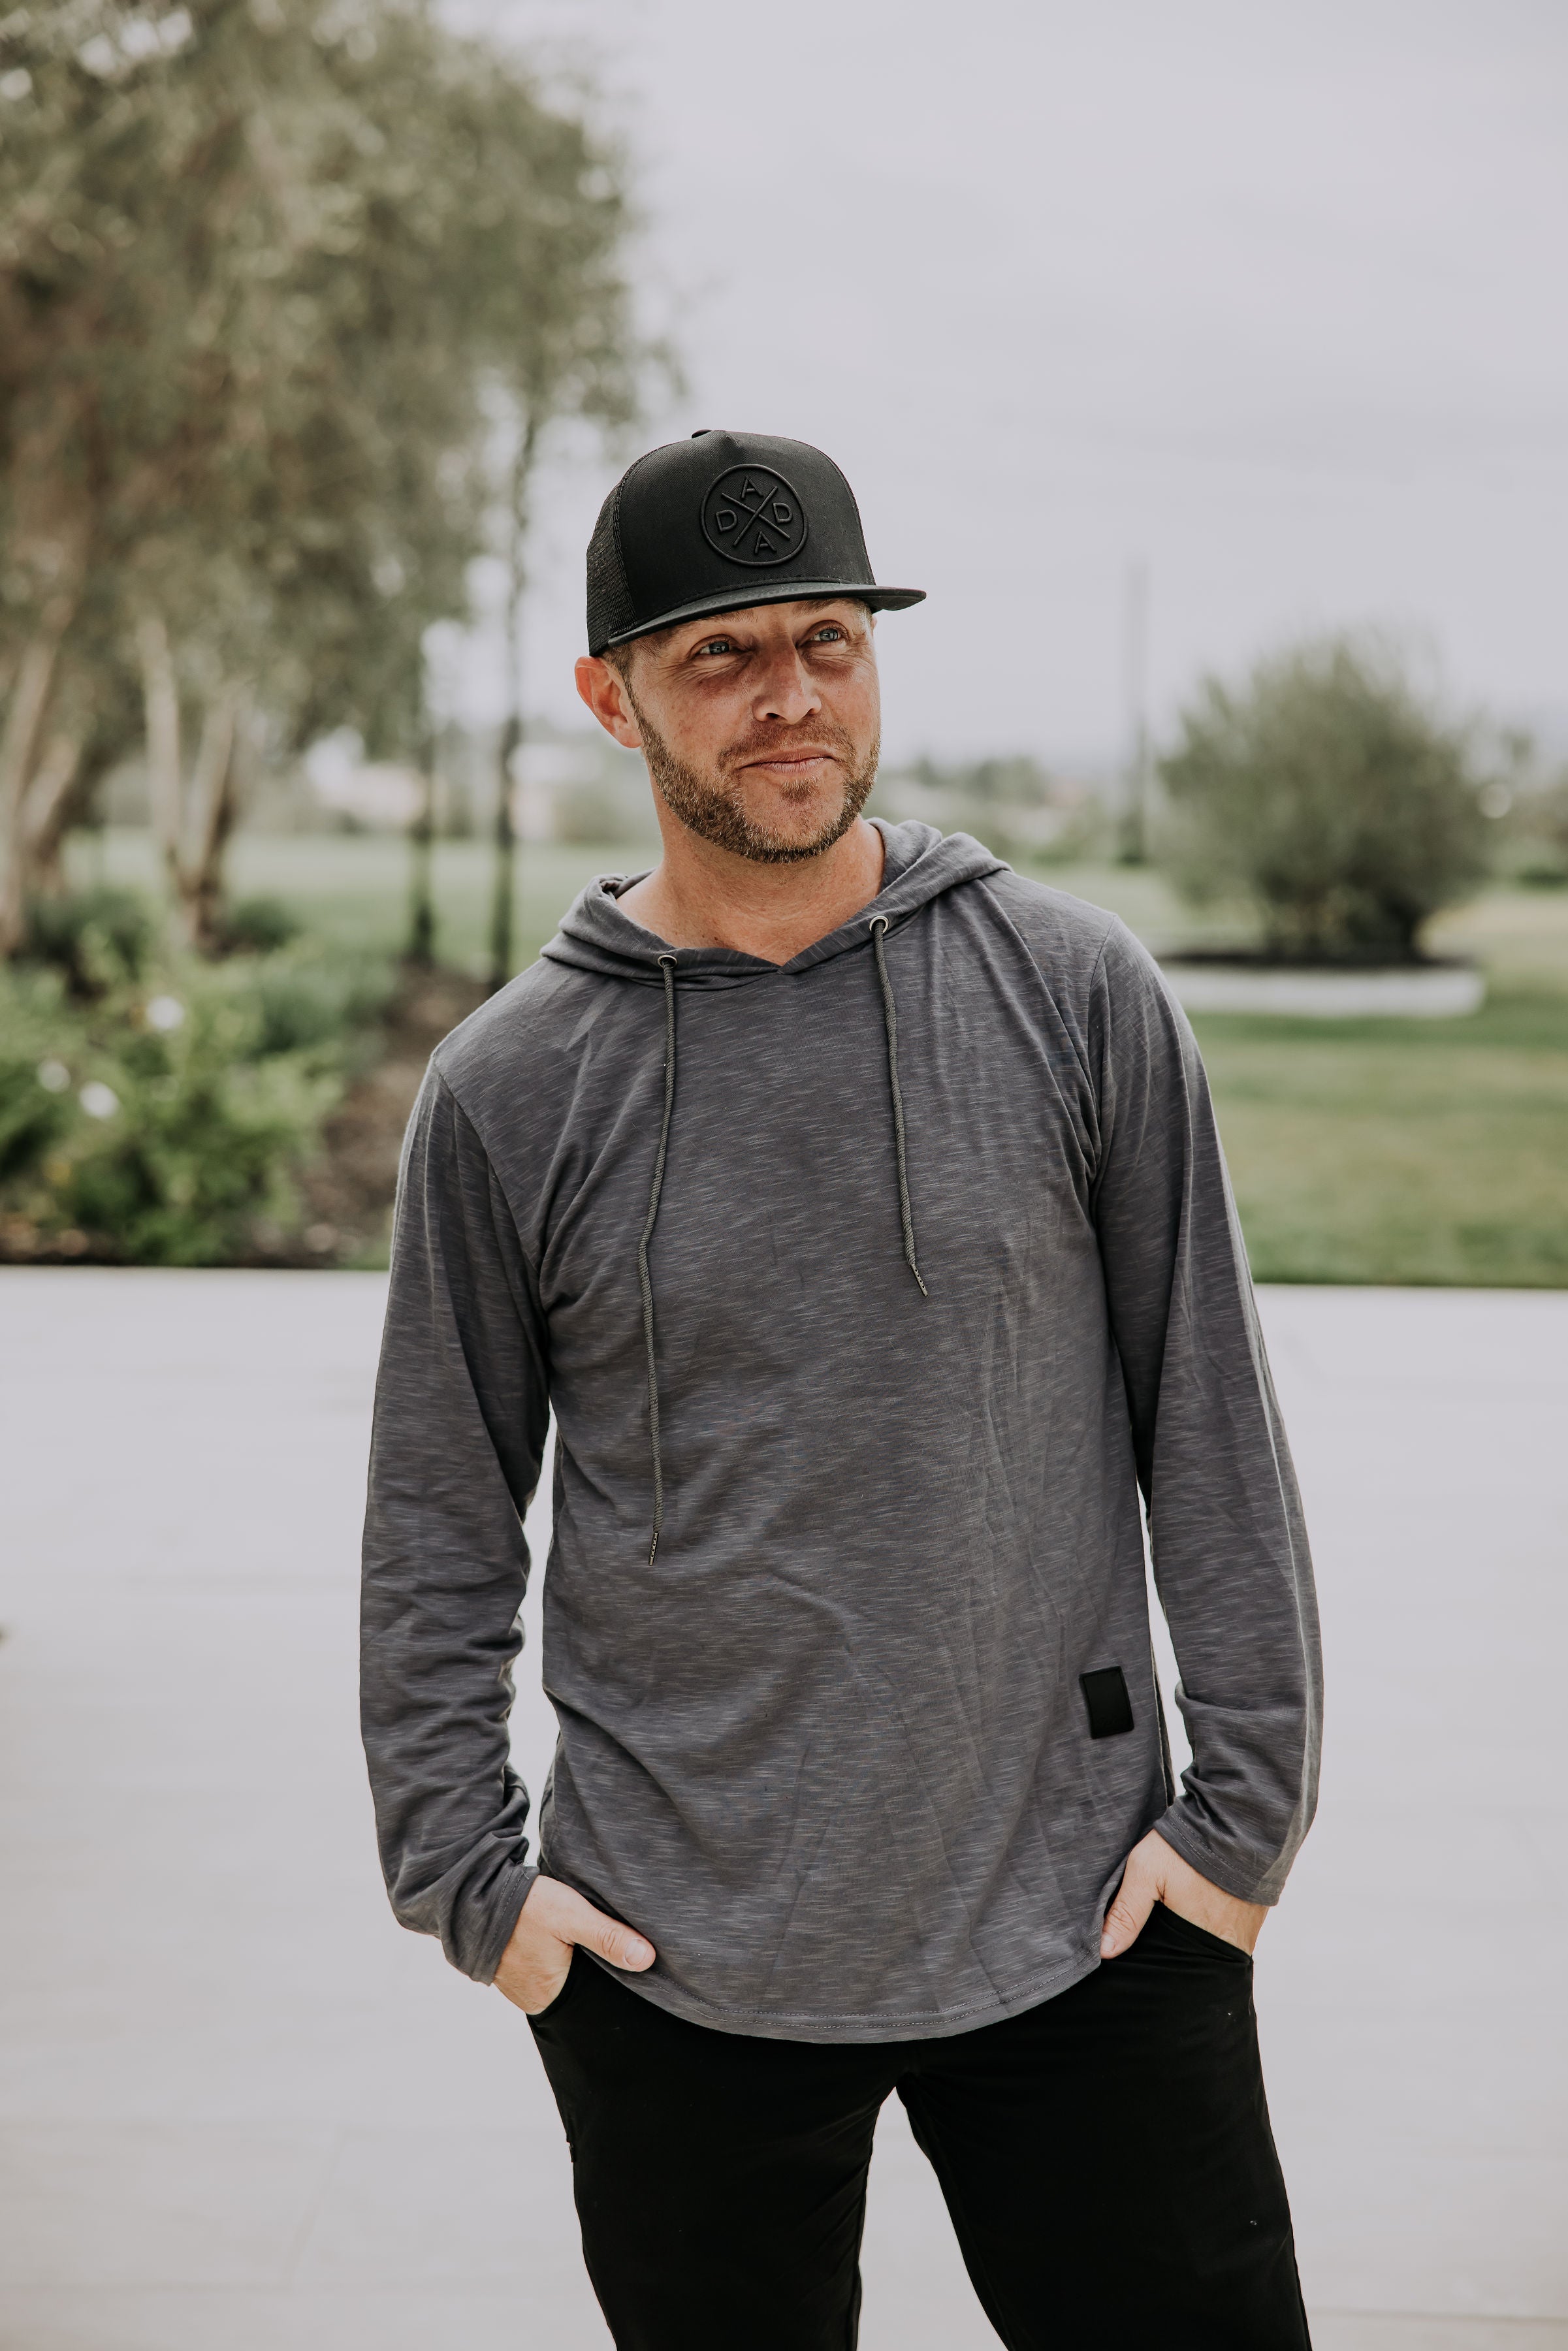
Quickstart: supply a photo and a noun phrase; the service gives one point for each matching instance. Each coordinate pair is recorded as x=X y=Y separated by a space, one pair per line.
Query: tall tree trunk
x=25 y=712
x=504 y=874
x=215 y=794
x=54 y=796
x=165 y=781
x=54 y=820
x=193 y=826
x=504 y=887
x=421 y=949
x=46 y=547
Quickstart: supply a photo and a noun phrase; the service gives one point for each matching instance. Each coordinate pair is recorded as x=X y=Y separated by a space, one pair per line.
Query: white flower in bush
x=97 y=1099
x=53 y=1077
x=165 y=1013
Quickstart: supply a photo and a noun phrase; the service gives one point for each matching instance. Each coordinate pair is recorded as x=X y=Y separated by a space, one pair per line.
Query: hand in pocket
x=1156 y=1873
x=553 y=1921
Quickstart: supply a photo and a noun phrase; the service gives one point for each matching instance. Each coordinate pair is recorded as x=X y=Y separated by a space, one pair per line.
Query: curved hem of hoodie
x=921 y=2024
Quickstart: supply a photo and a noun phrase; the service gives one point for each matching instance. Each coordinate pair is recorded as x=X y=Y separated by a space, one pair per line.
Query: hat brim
x=784 y=591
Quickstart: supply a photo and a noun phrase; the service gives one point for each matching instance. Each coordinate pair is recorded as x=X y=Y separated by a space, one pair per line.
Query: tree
x=123 y=375
x=556 y=340
x=524 y=222
x=1330 y=795
x=49 y=462
x=259 y=262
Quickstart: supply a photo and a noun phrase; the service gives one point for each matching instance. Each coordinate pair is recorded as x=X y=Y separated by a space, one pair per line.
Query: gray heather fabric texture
x=830 y=1752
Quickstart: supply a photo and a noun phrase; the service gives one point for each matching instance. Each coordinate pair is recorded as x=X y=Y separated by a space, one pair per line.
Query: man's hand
x=1156 y=1874
x=535 y=1963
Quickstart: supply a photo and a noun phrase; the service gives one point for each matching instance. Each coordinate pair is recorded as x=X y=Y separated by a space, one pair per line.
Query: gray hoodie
x=873 y=1287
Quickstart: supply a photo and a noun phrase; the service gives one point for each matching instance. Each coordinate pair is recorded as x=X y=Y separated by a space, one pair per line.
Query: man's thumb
x=1125 y=1919
x=619 y=1945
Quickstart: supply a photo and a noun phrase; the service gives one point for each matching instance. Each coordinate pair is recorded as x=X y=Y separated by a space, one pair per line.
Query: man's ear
x=604 y=691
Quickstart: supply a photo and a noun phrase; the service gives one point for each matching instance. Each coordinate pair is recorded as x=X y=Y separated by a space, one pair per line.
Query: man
x=857 y=1206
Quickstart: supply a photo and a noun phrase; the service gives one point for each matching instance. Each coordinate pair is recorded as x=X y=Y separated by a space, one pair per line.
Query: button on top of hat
x=753 y=516
x=701 y=429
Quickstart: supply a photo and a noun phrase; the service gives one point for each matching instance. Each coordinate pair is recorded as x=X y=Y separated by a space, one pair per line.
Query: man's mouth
x=792 y=763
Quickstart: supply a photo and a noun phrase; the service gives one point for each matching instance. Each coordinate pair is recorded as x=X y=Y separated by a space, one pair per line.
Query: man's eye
x=830 y=633
x=716 y=646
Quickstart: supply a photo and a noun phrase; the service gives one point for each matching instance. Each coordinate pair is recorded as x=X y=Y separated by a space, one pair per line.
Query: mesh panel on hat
x=609 y=607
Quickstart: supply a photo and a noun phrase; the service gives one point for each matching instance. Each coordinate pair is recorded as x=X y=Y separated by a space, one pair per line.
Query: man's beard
x=715 y=811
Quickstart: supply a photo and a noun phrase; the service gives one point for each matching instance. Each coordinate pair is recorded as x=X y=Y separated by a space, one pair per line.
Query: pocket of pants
x=1198 y=1938
x=573 y=1976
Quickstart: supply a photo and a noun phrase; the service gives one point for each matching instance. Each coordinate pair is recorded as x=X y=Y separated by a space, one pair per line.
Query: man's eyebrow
x=808 y=603
x=721 y=623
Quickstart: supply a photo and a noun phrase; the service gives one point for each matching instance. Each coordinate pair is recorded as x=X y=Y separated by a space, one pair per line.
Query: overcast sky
x=1268 y=297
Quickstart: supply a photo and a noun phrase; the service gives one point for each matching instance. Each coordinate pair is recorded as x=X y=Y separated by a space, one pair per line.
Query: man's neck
x=701 y=896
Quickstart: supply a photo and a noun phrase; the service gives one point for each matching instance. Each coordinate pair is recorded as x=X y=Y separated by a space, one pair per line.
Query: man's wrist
x=1228 y=1872
x=511 y=1895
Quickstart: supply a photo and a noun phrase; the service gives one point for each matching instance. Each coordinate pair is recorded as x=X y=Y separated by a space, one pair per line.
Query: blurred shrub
x=1331 y=796
x=1543 y=828
x=305 y=1000
x=259 y=926
x=161 y=1122
x=33 y=1116
x=93 y=936
x=1015 y=806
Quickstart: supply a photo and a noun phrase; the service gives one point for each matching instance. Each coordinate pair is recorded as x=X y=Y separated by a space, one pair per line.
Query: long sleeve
x=1231 y=1556
x=462 y=1410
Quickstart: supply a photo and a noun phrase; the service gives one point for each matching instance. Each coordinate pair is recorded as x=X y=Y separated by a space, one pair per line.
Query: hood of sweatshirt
x=920 y=863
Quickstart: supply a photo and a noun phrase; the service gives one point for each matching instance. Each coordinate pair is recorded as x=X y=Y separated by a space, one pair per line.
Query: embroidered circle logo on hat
x=752 y=516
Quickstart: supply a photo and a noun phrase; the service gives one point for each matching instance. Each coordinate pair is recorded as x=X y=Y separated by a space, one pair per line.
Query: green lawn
x=1365 y=1151
x=1398 y=1151
x=354 y=887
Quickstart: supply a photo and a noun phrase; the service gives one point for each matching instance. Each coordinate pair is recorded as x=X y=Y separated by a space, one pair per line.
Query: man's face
x=760 y=728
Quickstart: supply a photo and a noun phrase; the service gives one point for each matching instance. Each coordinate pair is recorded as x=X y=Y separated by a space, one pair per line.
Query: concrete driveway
x=243 y=2113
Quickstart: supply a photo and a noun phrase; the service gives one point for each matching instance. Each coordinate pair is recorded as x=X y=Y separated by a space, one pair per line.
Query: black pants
x=1106 y=2158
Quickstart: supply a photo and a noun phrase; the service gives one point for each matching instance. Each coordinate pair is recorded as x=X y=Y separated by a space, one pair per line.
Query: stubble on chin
x=714 y=807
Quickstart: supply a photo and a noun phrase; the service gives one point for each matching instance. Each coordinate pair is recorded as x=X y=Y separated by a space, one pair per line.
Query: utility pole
x=1135 y=695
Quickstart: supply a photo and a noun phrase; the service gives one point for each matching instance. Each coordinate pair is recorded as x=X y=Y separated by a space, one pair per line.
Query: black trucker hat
x=720 y=522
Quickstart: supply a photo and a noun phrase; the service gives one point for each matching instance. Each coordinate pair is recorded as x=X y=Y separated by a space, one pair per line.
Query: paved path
x=242 y=2113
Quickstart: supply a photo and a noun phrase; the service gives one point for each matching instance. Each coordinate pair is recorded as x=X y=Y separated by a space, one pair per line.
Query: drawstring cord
x=667 y=965
x=890 y=1016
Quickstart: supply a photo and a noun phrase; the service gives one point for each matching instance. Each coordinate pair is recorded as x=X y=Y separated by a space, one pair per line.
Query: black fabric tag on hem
x=1109 y=1708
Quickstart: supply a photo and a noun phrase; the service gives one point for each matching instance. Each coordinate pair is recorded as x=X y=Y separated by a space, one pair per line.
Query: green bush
x=259 y=926
x=1326 y=793
x=1542 y=822
x=93 y=936
x=164 y=1122
x=33 y=1117
x=305 y=1002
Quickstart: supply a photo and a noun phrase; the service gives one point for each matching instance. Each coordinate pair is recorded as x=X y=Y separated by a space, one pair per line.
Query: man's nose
x=785 y=692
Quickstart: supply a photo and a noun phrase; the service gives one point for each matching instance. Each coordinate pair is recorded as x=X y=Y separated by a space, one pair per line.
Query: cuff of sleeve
x=505 y=1909
x=1231 y=1872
